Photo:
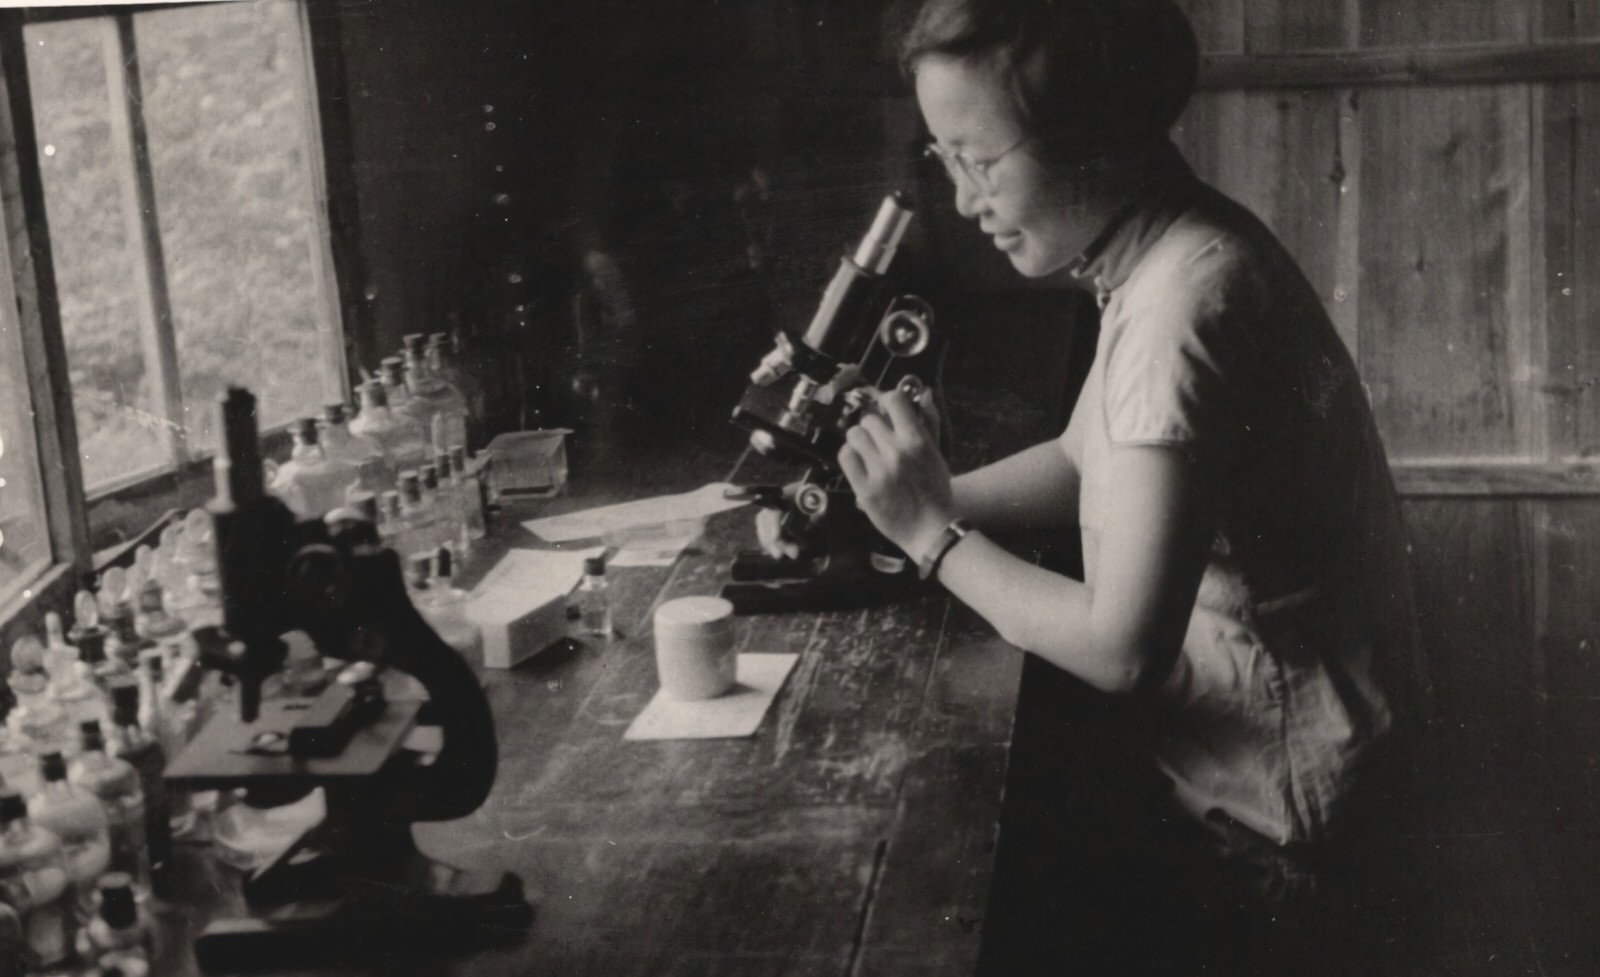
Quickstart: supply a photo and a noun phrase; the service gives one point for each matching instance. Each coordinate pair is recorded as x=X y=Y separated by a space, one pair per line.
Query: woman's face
x=1032 y=214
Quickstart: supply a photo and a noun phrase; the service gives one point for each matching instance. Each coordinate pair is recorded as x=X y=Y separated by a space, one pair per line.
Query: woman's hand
x=899 y=478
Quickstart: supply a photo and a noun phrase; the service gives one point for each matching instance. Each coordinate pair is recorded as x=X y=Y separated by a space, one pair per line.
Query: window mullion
x=25 y=259
x=324 y=274
x=130 y=144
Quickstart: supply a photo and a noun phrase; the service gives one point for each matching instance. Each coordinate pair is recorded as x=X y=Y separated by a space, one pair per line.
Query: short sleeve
x=1172 y=375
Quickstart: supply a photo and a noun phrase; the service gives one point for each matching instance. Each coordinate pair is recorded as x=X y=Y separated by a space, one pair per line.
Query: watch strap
x=953 y=532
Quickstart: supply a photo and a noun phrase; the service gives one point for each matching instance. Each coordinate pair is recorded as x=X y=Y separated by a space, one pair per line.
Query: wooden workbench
x=854 y=833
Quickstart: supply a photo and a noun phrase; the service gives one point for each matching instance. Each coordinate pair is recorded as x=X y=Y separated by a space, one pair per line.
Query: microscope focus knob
x=318 y=579
x=811 y=500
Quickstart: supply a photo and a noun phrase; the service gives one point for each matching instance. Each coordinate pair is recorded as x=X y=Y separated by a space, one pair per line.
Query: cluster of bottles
x=87 y=819
x=401 y=462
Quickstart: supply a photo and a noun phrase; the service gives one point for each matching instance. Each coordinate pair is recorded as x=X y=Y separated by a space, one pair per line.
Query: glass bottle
x=118 y=937
x=391 y=370
x=103 y=670
x=60 y=655
x=34 y=878
x=403 y=441
x=172 y=724
x=445 y=524
x=76 y=817
x=140 y=749
x=419 y=523
x=124 y=643
x=36 y=724
x=594 y=599
x=447 y=406
x=311 y=482
x=444 y=606
x=450 y=505
x=344 y=444
x=447 y=362
x=373 y=477
x=471 y=489
x=117 y=785
x=391 y=521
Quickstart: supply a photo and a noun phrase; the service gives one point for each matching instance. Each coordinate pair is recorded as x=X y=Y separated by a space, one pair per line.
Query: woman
x=1244 y=589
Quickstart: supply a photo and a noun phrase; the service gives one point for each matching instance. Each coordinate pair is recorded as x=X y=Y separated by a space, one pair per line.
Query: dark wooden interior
x=1435 y=166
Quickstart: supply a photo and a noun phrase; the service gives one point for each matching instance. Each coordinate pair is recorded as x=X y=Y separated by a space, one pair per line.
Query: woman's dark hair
x=1091 y=79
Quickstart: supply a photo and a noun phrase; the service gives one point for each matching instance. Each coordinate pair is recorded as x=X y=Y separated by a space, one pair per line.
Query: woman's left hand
x=899 y=478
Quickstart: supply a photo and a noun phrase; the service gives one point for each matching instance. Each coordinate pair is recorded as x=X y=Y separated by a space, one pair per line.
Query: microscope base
x=349 y=888
x=757 y=587
x=363 y=927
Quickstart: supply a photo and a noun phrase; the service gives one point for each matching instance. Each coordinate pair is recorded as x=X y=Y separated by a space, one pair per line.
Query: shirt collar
x=1110 y=258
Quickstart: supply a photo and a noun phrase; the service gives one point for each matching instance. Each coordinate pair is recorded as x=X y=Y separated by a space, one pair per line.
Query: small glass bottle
x=344 y=444
x=311 y=482
x=118 y=936
x=34 y=876
x=594 y=599
x=76 y=817
x=467 y=410
x=447 y=523
x=137 y=746
x=404 y=443
x=413 y=410
x=444 y=606
x=117 y=784
x=36 y=723
x=471 y=489
x=420 y=524
x=391 y=521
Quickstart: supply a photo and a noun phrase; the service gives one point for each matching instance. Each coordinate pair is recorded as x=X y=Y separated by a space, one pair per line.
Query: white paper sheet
x=593 y=523
x=738 y=713
x=535 y=576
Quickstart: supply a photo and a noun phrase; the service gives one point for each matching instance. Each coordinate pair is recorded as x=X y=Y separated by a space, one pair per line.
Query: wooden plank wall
x=1453 y=227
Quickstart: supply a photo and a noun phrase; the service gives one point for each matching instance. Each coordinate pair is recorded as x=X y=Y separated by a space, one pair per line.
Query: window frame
x=74 y=519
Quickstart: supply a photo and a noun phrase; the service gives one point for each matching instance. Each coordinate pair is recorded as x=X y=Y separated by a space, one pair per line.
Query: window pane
x=24 y=539
x=117 y=420
x=226 y=109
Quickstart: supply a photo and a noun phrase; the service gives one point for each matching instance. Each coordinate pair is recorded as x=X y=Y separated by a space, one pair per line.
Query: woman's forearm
x=1034 y=489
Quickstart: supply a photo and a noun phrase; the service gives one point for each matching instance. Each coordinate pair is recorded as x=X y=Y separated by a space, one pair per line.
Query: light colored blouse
x=1302 y=633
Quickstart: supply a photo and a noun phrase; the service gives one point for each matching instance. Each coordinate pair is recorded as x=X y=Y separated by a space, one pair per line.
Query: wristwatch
x=949 y=536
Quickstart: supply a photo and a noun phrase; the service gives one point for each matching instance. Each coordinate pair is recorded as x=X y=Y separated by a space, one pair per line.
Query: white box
x=521 y=603
x=517 y=625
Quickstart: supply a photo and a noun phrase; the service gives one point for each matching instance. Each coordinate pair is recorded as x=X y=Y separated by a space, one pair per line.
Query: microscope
x=355 y=881
x=802 y=399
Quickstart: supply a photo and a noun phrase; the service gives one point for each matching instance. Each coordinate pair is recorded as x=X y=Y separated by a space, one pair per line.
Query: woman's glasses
x=958 y=163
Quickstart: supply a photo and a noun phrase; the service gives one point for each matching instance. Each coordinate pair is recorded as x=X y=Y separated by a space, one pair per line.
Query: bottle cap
x=594 y=566
x=374 y=394
x=91 y=736
x=92 y=645
x=415 y=342
x=117 y=906
x=391 y=502
x=53 y=766
x=443 y=563
x=306 y=430
x=334 y=413
x=124 y=705
x=12 y=806
x=441 y=461
x=419 y=567
x=430 y=477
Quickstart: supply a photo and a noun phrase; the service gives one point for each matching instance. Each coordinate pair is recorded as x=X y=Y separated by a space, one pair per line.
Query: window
x=181 y=164
x=24 y=534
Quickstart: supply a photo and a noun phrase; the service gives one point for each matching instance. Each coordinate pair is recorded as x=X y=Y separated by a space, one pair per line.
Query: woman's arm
x=1127 y=631
x=1036 y=488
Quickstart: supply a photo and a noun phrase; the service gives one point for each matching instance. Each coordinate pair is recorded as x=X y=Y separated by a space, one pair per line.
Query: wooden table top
x=854 y=833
